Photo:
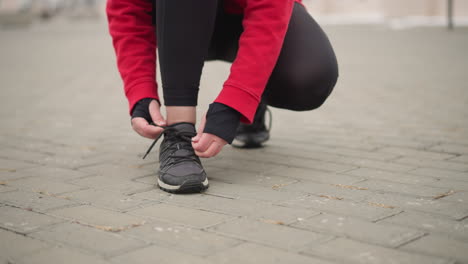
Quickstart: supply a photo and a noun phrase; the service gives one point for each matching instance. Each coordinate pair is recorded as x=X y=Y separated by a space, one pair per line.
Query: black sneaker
x=254 y=135
x=180 y=170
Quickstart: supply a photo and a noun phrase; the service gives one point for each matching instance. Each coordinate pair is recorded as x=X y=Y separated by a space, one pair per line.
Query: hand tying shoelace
x=171 y=132
x=180 y=169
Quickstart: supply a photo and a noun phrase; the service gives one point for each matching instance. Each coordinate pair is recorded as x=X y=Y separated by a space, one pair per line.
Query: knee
x=313 y=88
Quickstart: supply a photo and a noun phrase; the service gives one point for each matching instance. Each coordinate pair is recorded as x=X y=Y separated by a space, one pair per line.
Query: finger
x=155 y=113
x=201 y=127
x=203 y=143
x=141 y=126
x=212 y=151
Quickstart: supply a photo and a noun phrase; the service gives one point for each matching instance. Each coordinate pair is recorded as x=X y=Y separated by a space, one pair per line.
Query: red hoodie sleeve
x=265 y=24
x=134 y=39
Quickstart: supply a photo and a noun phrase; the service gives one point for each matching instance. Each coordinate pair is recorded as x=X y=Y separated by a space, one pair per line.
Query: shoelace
x=185 y=136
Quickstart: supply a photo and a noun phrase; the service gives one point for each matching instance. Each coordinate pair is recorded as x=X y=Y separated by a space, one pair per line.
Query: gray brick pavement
x=344 y=250
x=185 y=239
x=379 y=174
x=24 y=221
x=181 y=215
x=431 y=224
x=354 y=228
x=88 y=238
x=61 y=255
x=273 y=234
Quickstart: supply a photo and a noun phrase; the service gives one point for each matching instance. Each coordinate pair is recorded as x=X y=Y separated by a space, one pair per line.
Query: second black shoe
x=255 y=134
x=180 y=169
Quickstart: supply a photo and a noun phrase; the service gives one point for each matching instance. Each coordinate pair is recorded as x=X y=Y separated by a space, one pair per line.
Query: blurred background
x=394 y=12
x=400 y=68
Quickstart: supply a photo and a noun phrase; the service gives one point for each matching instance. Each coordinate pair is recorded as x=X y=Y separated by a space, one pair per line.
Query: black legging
x=190 y=33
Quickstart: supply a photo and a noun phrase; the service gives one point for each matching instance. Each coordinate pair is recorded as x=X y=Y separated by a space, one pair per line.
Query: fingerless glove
x=222 y=121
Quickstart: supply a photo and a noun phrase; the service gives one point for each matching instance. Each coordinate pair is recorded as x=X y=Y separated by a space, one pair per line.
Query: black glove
x=222 y=121
x=141 y=109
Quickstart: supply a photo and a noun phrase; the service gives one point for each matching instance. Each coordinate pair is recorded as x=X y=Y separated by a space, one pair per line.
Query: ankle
x=181 y=114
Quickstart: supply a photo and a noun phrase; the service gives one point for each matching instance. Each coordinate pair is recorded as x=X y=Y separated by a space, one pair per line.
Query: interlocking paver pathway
x=379 y=174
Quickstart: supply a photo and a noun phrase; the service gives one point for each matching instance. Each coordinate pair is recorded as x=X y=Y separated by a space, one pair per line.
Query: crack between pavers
x=412 y=240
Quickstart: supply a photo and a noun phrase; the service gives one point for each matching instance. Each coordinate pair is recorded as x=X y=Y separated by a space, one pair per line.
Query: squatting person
x=280 y=57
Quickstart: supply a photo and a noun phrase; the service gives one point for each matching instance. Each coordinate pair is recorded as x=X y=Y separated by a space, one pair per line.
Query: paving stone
x=14 y=246
x=453 y=210
x=242 y=207
x=462 y=159
x=270 y=234
x=106 y=199
x=398 y=142
x=36 y=201
x=52 y=173
x=280 y=214
x=440 y=164
x=452 y=184
x=181 y=215
x=9 y=168
x=315 y=150
x=441 y=247
x=380 y=234
x=24 y=221
x=323 y=141
x=86 y=214
x=117 y=171
x=150 y=179
x=164 y=256
x=35 y=144
x=416 y=190
x=76 y=161
x=317 y=176
x=359 y=161
x=25 y=143
x=244 y=165
x=108 y=182
x=297 y=160
x=182 y=238
x=371 y=212
x=43 y=184
x=243 y=254
x=369 y=173
x=458 y=196
x=5 y=188
x=251 y=178
x=384 y=165
x=463 y=176
x=45 y=179
x=451 y=148
x=155 y=194
x=416 y=153
x=282 y=159
x=343 y=191
x=88 y=238
x=59 y=255
x=419 y=180
x=22 y=155
x=237 y=191
x=431 y=223
x=344 y=250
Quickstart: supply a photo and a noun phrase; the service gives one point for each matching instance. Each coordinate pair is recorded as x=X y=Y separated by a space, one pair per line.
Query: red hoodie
x=265 y=23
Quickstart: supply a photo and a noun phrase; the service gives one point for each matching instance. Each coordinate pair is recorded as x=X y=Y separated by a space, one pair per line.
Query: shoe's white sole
x=175 y=188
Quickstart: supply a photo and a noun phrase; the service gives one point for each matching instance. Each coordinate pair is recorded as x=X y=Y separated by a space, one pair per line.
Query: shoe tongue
x=184 y=127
